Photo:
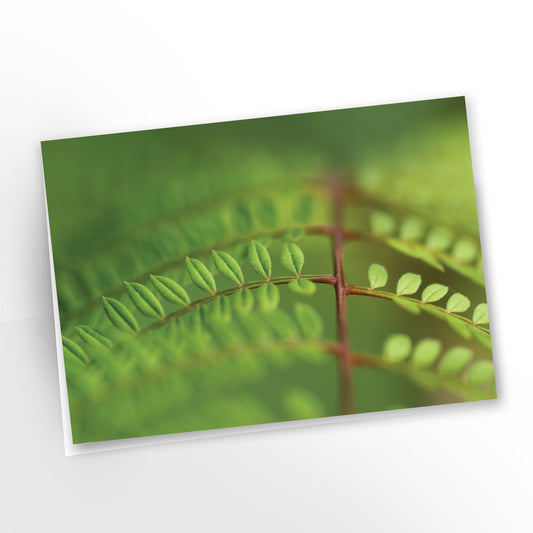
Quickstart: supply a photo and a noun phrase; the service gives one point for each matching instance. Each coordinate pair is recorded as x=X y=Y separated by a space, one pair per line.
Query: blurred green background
x=127 y=204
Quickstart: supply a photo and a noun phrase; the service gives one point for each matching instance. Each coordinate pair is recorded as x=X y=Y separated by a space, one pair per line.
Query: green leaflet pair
x=435 y=246
x=409 y=283
x=398 y=349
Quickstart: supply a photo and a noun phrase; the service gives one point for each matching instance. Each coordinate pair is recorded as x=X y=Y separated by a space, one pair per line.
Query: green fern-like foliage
x=257 y=286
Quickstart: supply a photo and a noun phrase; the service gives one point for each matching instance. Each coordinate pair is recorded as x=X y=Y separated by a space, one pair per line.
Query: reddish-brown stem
x=353 y=234
x=345 y=364
x=356 y=359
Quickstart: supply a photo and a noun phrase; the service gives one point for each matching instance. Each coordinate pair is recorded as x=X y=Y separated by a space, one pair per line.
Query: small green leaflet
x=309 y=321
x=434 y=292
x=408 y=283
x=260 y=259
x=302 y=286
x=199 y=275
x=93 y=338
x=454 y=360
x=426 y=353
x=119 y=315
x=243 y=301
x=480 y=373
x=144 y=300
x=481 y=314
x=292 y=257
x=465 y=250
x=412 y=229
x=439 y=239
x=457 y=303
x=228 y=267
x=382 y=223
x=170 y=290
x=377 y=276
x=397 y=348
x=73 y=349
x=268 y=297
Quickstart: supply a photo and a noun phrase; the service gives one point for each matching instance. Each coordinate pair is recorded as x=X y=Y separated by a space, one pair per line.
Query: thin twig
x=326 y=279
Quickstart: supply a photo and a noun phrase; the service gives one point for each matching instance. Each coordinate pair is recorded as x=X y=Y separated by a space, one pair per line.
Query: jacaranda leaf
x=260 y=259
x=170 y=290
x=144 y=300
x=93 y=338
x=397 y=348
x=377 y=276
x=382 y=223
x=465 y=250
x=434 y=292
x=412 y=229
x=200 y=275
x=228 y=267
x=408 y=283
x=481 y=314
x=292 y=257
x=119 y=315
x=426 y=353
x=457 y=303
x=70 y=347
x=454 y=360
x=439 y=239
x=479 y=373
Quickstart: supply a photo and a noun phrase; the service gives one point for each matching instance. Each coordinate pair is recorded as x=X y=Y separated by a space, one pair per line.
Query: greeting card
x=267 y=270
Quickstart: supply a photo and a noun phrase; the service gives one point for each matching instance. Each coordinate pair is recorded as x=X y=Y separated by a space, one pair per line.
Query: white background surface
x=72 y=68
